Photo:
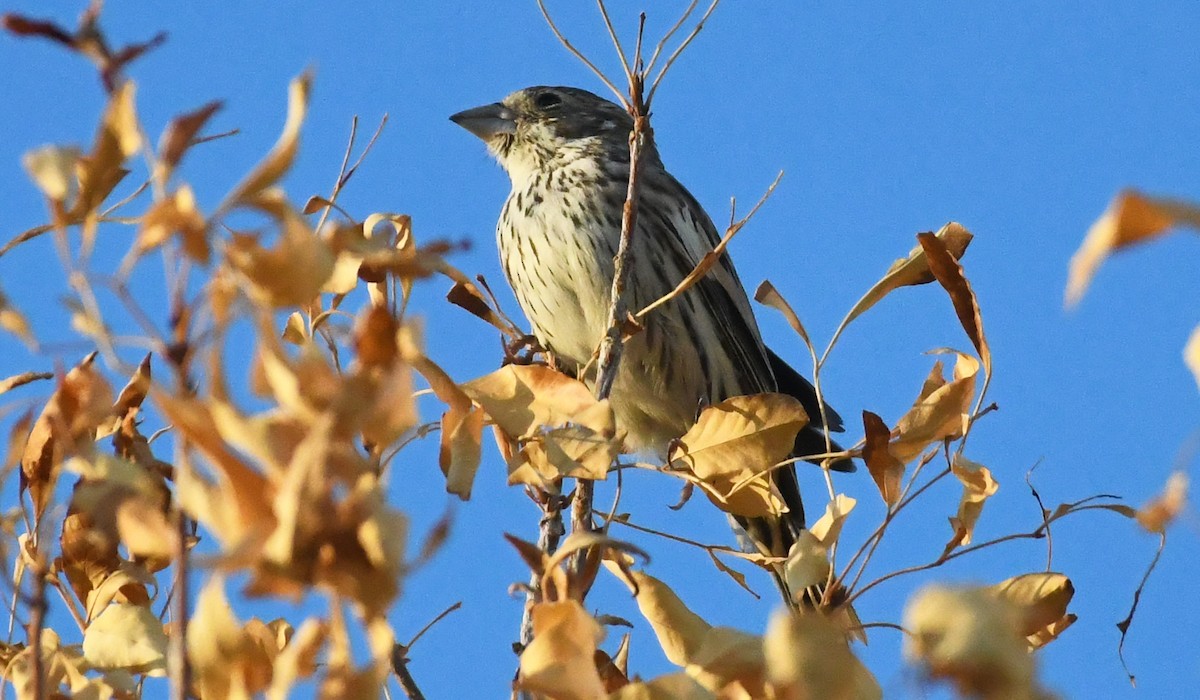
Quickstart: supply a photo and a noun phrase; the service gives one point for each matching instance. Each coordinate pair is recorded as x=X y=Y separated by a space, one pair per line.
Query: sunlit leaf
x=978 y=486
x=1132 y=218
x=1042 y=599
x=736 y=440
x=939 y=415
x=944 y=265
x=522 y=398
x=971 y=638
x=178 y=137
x=52 y=169
x=559 y=660
x=807 y=656
x=126 y=637
x=912 y=270
x=279 y=160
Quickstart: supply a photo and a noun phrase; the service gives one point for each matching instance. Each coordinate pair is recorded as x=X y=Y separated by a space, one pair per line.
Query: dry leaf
x=295 y=270
x=13 y=321
x=675 y=686
x=279 y=160
x=913 y=270
x=886 y=470
x=1042 y=599
x=178 y=137
x=978 y=486
x=940 y=415
x=1160 y=511
x=807 y=657
x=945 y=266
x=736 y=441
x=971 y=638
x=767 y=294
x=175 y=214
x=522 y=398
x=52 y=169
x=462 y=429
x=1191 y=351
x=1132 y=218
x=126 y=637
x=559 y=660
x=66 y=425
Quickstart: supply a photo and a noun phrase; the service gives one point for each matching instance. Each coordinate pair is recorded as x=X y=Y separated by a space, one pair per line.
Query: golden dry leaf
x=1041 y=599
x=130 y=399
x=127 y=637
x=944 y=265
x=973 y=639
x=807 y=657
x=68 y=424
x=736 y=441
x=295 y=270
x=912 y=270
x=715 y=656
x=978 y=486
x=559 y=660
x=675 y=686
x=1160 y=511
x=124 y=501
x=1132 y=217
x=405 y=246
x=1191 y=352
x=13 y=321
x=237 y=510
x=52 y=169
x=522 y=398
x=462 y=429
x=60 y=664
x=298 y=659
x=225 y=661
x=279 y=160
x=174 y=214
x=767 y=294
x=583 y=449
x=118 y=138
x=828 y=527
x=940 y=415
x=886 y=470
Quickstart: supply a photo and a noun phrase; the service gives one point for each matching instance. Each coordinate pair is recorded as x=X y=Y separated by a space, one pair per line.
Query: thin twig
x=670 y=61
x=37 y=620
x=612 y=34
x=400 y=667
x=578 y=54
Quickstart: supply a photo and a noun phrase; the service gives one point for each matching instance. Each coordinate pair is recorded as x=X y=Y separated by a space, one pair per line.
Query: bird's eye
x=547 y=100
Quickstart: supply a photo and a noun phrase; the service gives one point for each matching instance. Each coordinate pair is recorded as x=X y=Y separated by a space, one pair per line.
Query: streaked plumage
x=566 y=153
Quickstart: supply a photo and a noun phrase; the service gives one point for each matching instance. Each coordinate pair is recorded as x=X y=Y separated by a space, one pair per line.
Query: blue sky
x=1020 y=120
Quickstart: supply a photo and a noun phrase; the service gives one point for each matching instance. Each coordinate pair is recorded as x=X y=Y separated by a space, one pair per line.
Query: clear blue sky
x=1018 y=119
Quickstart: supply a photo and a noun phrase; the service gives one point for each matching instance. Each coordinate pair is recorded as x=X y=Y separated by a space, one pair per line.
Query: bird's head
x=546 y=127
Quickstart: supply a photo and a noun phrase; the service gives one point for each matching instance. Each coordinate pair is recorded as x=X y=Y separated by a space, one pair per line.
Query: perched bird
x=566 y=151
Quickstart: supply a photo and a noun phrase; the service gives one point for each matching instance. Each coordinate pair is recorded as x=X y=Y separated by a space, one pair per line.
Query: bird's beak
x=487 y=121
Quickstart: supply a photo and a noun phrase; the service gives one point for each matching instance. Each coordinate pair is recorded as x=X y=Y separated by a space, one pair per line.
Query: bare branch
x=578 y=54
x=670 y=61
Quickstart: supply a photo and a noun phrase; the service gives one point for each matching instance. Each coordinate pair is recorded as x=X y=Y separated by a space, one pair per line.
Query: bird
x=566 y=152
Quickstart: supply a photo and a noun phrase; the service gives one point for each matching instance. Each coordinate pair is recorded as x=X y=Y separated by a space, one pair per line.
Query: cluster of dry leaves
x=290 y=496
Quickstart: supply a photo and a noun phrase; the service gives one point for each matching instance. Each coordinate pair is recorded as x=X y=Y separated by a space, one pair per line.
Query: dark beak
x=487 y=121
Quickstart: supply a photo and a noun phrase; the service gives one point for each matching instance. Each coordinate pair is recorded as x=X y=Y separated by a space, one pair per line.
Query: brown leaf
x=67 y=425
x=1132 y=218
x=175 y=214
x=295 y=270
x=582 y=449
x=886 y=470
x=462 y=429
x=913 y=270
x=178 y=137
x=1161 y=510
x=559 y=660
x=945 y=266
x=674 y=686
x=767 y=294
x=118 y=138
x=466 y=295
x=736 y=441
